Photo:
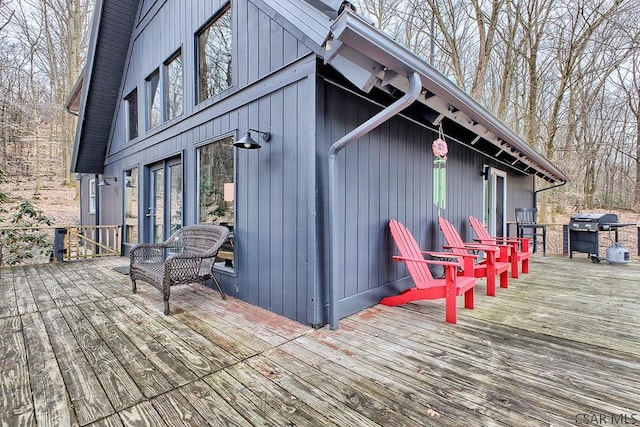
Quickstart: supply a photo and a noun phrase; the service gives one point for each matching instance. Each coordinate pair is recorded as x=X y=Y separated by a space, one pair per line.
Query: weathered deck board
x=25 y=301
x=89 y=400
x=276 y=397
x=8 y=303
x=76 y=295
x=175 y=371
x=216 y=355
x=210 y=405
x=51 y=404
x=150 y=380
x=116 y=382
x=252 y=403
x=15 y=391
x=396 y=409
x=470 y=375
x=335 y=407
x=44 y=300
x=175 y=410
x=142 y=414
x=110 y=421
x=80 y=347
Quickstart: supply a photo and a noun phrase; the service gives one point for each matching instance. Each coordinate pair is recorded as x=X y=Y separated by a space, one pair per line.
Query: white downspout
x=415 y=87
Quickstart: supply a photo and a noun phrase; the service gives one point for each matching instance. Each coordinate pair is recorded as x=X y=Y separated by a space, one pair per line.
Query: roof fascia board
x=72 y=104
x=298 y=23
x=327 y=6
x=88 y=71
x=351 y=30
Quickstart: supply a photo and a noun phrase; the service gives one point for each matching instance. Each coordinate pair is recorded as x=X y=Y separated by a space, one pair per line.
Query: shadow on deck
x=559 y=347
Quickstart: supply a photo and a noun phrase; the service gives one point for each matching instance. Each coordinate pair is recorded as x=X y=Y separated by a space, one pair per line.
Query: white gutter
x=414 y=90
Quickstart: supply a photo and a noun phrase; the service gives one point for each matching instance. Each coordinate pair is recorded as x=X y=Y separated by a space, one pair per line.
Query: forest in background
x=43 y=47
x=563 y=74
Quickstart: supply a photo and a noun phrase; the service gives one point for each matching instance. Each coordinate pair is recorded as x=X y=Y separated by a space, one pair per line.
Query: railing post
x=58 y=244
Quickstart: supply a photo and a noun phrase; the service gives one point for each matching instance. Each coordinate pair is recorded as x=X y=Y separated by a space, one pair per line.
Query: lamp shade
x=246 y=142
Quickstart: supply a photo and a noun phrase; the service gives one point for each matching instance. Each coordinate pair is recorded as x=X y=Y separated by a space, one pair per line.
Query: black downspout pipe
x=96 y=236
x=535 y=192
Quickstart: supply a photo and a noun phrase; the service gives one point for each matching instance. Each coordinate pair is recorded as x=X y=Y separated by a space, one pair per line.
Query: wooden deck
x=559 y=347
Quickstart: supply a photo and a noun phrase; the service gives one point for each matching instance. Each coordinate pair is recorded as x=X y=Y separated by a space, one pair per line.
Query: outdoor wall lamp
x=249 y=143
x=106 y=179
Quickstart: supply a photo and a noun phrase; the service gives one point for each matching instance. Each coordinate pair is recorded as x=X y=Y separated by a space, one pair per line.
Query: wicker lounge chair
x=185 y=257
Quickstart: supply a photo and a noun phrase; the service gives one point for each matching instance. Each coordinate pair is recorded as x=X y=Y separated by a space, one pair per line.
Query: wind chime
x=440 y=151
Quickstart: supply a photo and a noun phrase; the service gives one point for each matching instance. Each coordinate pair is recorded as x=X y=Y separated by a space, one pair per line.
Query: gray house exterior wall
x=273 y=88
x=387 y=175
x=281 y=224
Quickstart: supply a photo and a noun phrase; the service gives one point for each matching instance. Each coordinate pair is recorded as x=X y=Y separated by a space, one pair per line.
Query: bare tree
x=511 y=43
x=629 y=83
x=487 y=27
x=576 y=26
x=64 y=27
x=544 y=67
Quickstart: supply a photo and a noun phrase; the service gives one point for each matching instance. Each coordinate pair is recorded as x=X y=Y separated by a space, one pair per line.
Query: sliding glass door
x=164 y=200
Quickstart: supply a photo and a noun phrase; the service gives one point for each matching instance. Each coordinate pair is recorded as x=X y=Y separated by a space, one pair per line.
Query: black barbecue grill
x=584 y=231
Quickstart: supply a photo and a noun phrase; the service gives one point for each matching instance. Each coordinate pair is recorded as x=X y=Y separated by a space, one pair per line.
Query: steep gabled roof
x=112 y=26
x=360 y=52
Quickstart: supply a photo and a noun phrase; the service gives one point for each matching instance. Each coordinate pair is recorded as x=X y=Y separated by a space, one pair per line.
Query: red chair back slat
x=452 y=237
x=409 y=248
x=481 y=230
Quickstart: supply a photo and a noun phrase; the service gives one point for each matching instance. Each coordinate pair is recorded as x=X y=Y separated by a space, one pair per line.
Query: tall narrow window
x=131 y=206
x=131 y=102
x=175 y=86
x=92 y=196
x=175 y=197
x=216 y=189
x=214 y=56
x=154 y=100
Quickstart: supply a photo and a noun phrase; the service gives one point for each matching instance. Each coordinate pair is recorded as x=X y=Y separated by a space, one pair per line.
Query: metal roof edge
x=86 y=80
x=75 y=96
x=310 y=22
x=352 y=30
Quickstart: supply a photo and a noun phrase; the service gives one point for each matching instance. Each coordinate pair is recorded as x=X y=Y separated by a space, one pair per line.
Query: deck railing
x=90 y=241
x=58 y=243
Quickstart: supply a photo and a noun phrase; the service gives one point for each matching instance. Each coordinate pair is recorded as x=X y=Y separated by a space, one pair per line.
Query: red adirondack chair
x=519 y=246
x=489 y=267
x=426 y=287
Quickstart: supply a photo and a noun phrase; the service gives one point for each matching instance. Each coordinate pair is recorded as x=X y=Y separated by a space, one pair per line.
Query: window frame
x=92 y=196
x=132 y=132
x=168 y=86
x=224 y=9
x=131 y=182
x=232 y=137
x=152 y=99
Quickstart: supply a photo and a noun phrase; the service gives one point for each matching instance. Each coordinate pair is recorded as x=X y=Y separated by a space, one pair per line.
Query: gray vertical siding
x=281 y=230
x=388 y=174
x=261 y=47
x=519 y=194
x=275 y=224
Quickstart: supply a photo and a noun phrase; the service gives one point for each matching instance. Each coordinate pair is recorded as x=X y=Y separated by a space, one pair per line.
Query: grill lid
x=599 y=218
